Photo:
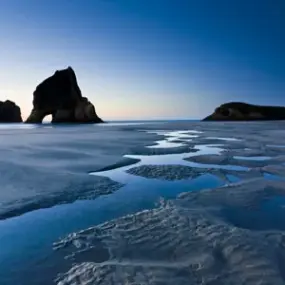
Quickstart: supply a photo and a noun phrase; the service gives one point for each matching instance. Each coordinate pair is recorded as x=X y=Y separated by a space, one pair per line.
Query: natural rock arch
x=60 y=96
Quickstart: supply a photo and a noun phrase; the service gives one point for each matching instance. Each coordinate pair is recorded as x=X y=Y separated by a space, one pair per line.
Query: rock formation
x=10 y=112
x=237 y=111
x=60 y=96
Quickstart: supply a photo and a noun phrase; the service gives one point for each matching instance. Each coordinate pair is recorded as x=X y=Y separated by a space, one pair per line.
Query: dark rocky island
x=237 y=111
x=10 y=112
x=60 y=96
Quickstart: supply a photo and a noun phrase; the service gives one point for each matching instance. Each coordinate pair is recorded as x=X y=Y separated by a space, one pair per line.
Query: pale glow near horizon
x=108 y=109
x=110 y=97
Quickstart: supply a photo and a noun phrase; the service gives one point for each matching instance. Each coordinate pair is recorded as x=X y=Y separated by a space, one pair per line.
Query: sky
x=146 y=59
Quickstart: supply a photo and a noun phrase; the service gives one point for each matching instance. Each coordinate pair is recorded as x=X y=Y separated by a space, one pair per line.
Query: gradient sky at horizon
x=146 y=59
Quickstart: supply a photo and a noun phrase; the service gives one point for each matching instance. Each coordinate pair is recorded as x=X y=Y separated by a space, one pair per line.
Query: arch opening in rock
x=47 y=119
x=60 y=97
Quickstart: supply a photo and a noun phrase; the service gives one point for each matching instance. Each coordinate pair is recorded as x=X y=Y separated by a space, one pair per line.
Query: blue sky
x=147 y=59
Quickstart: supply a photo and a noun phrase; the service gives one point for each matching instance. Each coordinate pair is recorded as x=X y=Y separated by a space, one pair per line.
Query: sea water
x=142 y=203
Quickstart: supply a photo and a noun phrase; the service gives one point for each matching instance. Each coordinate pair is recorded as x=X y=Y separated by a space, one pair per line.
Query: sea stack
x=10 y=112
x=237 y=111
x=60 y=96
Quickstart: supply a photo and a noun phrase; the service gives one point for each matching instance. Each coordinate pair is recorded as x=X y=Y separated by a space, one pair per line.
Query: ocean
x=142 y=202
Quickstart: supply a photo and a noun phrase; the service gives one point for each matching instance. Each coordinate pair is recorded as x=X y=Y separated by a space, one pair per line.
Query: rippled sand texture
x=43 y=166
x=185 y=241
x=228 y=235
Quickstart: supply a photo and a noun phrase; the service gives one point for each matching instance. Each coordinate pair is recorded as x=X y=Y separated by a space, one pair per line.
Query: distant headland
x=238 y=111
x=58 y=96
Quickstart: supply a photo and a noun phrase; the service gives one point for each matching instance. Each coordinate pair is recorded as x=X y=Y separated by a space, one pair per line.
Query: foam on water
x=224 y=139
x=275 y=145
x=17 y=126
x=255 y=158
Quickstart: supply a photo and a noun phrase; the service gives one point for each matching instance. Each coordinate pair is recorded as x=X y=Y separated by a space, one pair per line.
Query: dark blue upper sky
x=147 y=58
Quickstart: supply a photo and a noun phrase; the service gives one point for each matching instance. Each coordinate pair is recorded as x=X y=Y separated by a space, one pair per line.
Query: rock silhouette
x=60 y=96
x=10 y=112
x=237 y=111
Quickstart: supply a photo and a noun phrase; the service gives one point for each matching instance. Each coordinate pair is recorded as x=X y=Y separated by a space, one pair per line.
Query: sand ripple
x=184 y=241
